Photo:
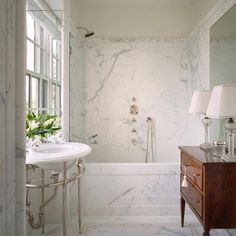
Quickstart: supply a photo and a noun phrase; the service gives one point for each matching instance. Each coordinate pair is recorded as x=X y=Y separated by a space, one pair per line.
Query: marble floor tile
x=171 y=229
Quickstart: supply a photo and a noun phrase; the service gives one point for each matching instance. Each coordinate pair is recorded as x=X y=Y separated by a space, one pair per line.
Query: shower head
x=88 y=33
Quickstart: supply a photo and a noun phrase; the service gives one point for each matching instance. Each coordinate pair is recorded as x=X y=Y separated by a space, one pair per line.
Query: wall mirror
x=222 y=60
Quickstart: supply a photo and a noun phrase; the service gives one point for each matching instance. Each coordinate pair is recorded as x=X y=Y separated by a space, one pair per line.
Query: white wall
x=199 y=10
x=140 y=18
x=133 y=20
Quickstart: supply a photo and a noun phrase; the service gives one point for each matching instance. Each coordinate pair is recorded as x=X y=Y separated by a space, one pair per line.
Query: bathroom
x=125 y=92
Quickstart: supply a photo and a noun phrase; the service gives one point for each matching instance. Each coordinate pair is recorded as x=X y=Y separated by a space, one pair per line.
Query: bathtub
x=118 y=157
x=129 y=192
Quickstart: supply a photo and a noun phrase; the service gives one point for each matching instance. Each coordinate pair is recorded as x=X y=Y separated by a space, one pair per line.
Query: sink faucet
x=33 y=144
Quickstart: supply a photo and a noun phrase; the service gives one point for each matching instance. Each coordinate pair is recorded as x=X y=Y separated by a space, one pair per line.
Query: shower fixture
x=149 y=139
x=88 y=33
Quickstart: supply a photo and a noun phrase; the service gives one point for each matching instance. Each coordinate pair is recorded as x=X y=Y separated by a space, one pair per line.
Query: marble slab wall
x=77 y=90
x=149 y=73
x=12 y=93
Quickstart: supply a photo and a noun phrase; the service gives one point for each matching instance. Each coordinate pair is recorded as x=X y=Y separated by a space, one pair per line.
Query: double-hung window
x=43 y=74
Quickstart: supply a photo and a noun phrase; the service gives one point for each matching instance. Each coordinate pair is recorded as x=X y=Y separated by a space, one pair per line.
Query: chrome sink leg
x=43 y=199
x=64 y=199
x=79 y=203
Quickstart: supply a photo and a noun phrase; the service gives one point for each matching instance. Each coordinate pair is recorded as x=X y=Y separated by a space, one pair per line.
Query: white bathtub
x=118 y=157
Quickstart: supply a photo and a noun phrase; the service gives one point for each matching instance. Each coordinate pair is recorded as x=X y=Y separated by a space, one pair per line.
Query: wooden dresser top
x=202 y=156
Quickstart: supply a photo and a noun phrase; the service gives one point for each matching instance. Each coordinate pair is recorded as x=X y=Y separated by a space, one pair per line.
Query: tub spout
x=34 y=144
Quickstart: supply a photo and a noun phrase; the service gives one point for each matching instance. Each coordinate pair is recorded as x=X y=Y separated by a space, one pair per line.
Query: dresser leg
x=182 y=207
x=206 y=232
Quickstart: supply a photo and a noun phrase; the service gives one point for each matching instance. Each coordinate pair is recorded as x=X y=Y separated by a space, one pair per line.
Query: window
x=43 y=76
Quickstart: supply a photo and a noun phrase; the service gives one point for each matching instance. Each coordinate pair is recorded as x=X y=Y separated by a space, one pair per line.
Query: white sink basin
x=52 y=156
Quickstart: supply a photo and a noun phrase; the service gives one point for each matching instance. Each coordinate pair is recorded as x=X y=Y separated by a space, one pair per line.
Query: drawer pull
x=185 y=182
x=197 y=175
x=197 y=202
x=186 y=165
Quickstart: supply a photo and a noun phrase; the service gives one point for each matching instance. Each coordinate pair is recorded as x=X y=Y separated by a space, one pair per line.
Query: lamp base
x=229 y=158
x=206 y=146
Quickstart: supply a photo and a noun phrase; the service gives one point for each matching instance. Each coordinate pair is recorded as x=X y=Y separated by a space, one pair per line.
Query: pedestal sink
x=52 y=156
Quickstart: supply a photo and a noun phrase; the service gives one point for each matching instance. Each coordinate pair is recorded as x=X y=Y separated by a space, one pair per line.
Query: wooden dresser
x=211 y=188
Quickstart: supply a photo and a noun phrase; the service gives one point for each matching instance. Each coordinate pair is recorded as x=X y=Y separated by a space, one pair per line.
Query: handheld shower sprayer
x=149 y=140
x=88 y=33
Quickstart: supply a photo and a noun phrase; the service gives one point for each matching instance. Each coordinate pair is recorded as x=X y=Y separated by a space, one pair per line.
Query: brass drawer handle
x=197 y=175
x=186 y=165
x=197 y=202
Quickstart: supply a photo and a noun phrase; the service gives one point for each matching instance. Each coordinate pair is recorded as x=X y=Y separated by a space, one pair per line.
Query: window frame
x=44 y=75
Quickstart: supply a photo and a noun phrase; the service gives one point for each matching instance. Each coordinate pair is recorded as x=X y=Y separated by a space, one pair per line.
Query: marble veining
x=103 y=82
x=115 y=72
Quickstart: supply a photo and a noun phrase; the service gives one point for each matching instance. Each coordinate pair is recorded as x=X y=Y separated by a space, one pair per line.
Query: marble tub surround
x=131 y=192
x=152 y=71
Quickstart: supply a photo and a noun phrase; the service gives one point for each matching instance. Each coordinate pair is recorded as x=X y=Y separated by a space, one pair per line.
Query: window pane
x=30 y=27
x=54 y=68
x=35 y=92
x=54 y=47
x=37 y=60
x=27 y=92
x=58 y=97
x=37 y=33
x=45 y=94
x=48 y=65
x=58 y=70
x=53 y=96
x=30 y=56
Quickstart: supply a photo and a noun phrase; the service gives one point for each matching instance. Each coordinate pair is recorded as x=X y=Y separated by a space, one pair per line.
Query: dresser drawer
x=193 y=170
x=193 y=195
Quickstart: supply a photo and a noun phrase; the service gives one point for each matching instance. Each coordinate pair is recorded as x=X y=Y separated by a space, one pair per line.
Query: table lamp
x=198 y=105
x=222 y=104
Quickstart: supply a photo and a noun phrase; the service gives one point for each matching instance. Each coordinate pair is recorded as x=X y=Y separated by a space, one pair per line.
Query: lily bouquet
x=41 y=125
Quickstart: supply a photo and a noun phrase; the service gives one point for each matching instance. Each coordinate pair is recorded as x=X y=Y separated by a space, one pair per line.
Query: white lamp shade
x=199 y=101
x=222 y=102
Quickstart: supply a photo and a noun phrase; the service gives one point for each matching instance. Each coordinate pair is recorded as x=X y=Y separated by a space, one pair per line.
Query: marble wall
x=77 y=90
x=149 y=73
x=12 y=93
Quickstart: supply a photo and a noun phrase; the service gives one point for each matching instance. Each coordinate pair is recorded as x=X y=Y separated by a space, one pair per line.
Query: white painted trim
x=65 y=71
x=214 y=14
